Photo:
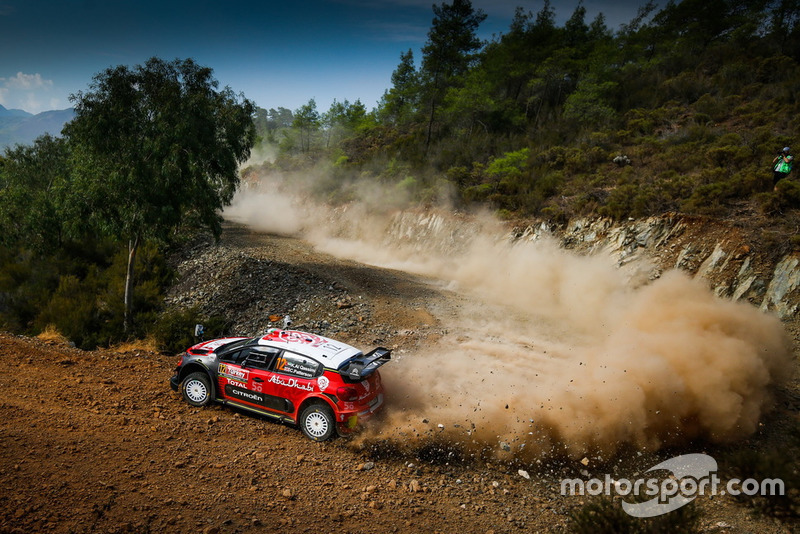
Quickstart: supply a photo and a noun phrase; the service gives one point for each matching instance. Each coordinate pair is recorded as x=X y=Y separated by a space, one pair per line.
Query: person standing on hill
x=781 y=165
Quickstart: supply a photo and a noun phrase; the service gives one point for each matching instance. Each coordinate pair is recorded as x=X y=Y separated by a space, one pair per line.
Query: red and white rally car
x=319 y=384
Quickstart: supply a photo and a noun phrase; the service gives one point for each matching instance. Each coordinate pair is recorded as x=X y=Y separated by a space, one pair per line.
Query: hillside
x=103 y=444
x=20 y=127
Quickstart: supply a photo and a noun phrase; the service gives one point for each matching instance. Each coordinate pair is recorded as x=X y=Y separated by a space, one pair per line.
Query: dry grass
x=51 y=335
x=147 y=344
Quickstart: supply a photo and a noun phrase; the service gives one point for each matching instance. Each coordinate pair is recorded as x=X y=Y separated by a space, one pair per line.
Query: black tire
x=196 y=389
x=317 y=422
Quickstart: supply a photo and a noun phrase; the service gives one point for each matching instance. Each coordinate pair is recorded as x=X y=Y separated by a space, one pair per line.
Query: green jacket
x=784 y=164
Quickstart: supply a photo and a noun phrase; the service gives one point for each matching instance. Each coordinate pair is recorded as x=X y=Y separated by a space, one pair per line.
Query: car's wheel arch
x=317 y=419
x=196 y=367
x=322 y=400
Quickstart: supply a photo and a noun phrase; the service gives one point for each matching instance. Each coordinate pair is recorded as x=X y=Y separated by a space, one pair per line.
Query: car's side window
x=235 y=356
x=296 y=365
x=261 y=360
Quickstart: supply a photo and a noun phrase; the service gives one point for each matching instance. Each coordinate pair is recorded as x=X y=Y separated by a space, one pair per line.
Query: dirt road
x=97 y=441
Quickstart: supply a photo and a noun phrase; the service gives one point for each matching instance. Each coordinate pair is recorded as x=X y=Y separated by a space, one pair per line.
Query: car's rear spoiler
x=360 y=367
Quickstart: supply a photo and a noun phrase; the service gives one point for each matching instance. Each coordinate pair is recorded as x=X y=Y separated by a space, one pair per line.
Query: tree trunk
x=133 y=245
x=430 y=126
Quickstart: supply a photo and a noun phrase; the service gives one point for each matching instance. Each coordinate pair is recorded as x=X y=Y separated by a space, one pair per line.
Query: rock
x=524 y=474
x=585 y=461
x=414 y=486
x=287 y=493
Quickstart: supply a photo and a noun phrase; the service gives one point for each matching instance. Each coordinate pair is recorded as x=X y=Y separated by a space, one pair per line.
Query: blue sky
x=276 y=53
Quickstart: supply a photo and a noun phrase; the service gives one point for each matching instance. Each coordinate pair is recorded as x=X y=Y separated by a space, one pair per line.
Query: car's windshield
x=240 y=343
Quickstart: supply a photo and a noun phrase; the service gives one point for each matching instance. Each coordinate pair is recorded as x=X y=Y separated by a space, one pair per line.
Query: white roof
x=331 y=353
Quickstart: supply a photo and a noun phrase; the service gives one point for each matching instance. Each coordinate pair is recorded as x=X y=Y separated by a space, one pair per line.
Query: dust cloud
x=552 y=353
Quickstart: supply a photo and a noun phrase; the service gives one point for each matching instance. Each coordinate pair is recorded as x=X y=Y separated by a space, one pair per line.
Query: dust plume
x=562 y=355
x=555 y=353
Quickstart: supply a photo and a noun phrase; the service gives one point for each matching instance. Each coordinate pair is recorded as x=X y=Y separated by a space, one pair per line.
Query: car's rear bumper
x=350 y=421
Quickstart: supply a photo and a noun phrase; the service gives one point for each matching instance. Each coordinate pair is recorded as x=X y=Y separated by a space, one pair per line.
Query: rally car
x=321 y=385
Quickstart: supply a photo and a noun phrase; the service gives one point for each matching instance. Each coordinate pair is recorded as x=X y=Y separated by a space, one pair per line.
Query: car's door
x=260 y=391
x=292 y=377
x=230 y=373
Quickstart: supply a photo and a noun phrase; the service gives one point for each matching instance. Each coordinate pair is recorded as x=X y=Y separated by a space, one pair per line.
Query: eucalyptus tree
x=33 y=181
x=157 y=146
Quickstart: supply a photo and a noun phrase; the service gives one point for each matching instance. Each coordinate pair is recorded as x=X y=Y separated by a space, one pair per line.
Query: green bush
x=174 y=330
x=78 y=289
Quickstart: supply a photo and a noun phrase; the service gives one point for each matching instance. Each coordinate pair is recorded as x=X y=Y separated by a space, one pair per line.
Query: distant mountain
x=14 y=112
x=18 y=127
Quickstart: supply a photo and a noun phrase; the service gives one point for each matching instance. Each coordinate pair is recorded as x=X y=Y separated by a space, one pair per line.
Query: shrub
x=768 y=464
x=174 y=330
x=711 y=106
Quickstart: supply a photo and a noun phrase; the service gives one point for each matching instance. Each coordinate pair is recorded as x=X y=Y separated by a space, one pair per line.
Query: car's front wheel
x=317 y=422
x=196 y=389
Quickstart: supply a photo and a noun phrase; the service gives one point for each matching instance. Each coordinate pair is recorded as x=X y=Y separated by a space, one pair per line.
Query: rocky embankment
x=736 y=261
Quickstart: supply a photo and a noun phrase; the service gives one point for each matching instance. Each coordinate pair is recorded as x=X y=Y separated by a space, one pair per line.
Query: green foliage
x=307 y=122
x=589 y=103
x=401 y=100
x=78 y=289
x=174 y=329
x=695 y=95
x=511 y=165
x=33 y=203
x=157 y=145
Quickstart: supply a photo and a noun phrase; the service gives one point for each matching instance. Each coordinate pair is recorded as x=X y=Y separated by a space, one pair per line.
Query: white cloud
x=29 y=81
x=30 y=92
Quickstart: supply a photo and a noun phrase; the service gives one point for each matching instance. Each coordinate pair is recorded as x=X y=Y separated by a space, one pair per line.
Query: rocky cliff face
x=732 y=259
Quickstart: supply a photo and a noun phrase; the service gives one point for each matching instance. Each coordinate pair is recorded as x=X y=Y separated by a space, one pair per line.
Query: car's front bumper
x=173 y=382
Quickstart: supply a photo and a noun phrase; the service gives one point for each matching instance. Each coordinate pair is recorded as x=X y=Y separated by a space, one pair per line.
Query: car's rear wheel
x=317 y=422
x=196 y=389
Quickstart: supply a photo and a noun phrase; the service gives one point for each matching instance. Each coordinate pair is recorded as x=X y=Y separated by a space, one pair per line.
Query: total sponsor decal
x=233 y=373
x=291 y=383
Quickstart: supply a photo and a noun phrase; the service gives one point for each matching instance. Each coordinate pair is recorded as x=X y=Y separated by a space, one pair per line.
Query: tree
x=449 y=51
x=157 y=146
x=401 y=100
x=342 y=118
x=33 y=181
x=307 y=121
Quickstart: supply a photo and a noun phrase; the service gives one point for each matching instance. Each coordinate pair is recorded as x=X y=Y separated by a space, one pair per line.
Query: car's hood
x=207 y=347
